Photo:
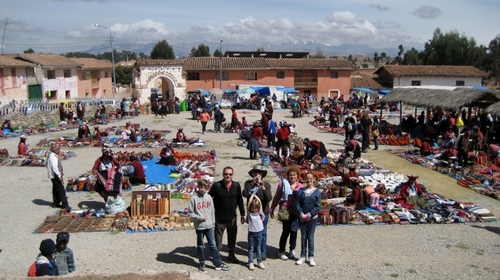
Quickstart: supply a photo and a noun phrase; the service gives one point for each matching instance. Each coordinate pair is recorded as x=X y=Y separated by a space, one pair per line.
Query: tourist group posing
x=215 y=211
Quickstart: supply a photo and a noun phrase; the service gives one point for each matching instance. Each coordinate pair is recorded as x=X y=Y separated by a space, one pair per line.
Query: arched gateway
x=159 y=75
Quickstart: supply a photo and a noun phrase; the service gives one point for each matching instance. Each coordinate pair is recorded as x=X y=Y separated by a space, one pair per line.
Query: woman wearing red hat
x=413 y=193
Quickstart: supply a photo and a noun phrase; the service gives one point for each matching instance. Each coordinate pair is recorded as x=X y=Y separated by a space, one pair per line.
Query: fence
x=31 y=106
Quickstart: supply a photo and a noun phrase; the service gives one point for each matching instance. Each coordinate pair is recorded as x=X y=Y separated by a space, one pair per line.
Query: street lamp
x=220 y=59
x=112 y=53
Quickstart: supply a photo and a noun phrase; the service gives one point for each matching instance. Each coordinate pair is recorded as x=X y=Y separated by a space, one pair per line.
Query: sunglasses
x=228 y=174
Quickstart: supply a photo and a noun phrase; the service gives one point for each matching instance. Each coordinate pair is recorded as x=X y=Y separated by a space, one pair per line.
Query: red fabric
x=163 y=151
x=22 y=149
x=138 y=169
x=257 y=133
x=315 y=143
x=405 y=188
x=282 y=133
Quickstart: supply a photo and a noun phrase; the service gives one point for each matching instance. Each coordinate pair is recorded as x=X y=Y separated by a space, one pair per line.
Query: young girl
x=255 y=218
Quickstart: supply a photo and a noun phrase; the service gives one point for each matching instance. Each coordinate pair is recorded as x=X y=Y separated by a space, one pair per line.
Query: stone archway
x=170 y=79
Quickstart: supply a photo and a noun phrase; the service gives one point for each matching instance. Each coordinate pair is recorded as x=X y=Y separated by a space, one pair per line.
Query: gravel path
x=455 y=251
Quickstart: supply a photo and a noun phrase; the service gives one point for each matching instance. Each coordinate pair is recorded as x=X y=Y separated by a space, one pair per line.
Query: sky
x=57 y=26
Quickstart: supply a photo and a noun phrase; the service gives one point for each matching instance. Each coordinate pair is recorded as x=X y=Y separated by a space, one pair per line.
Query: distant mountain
x=184 y=49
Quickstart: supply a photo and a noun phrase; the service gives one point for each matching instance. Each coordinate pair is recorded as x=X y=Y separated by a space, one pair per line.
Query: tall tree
x=162 y=50
x=202 y=50
x=124 y=74
x=411 y=57
x=142 y=56
x=30 y=50
x=494 y=57
x=217 y=53
x=260 y=49
x=319 y=53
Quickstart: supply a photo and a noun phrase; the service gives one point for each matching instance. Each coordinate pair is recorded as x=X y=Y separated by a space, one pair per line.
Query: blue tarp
x=264 y=91
x=480 y=87
x=229 y=91
x=287 y=90
x=363 y=89
x=384 y=91
x=157 y=173
x=246 y=91
x=205 y=92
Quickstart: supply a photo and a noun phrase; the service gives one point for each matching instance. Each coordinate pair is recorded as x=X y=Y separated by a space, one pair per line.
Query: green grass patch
x=412 y=270
x=480 y=252
x=388 y=264
x=394 y=275
x=473 y=266
x=448 y=246
x=463 y=246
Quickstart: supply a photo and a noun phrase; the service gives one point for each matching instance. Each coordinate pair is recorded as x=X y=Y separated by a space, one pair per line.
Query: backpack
x=32 y=270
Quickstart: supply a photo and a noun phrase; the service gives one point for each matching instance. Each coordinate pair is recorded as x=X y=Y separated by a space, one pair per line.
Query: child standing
x=255 y=218
x=202 y=211
x=63 y=256
x=44 y=262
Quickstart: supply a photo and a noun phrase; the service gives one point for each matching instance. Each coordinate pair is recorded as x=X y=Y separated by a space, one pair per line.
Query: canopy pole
x=400 y=112
x=469 y=117
x=415 y=112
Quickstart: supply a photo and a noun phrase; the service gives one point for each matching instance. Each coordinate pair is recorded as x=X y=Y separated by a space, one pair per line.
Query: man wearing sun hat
x=262 y=190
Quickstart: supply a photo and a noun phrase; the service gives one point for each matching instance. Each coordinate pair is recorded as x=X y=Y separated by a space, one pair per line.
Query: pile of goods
x=174 y=221
x=35 y=157
x=88 y=221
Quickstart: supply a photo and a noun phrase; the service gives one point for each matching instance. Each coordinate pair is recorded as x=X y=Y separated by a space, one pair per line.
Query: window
x=280 y=75
x=334 y=74
x=193 y=76
x=84 y=76
x=67 y=73
x=51 y=74
x=225 y=76
x=106 y=75
x=460 y=83
x=250 y=76
x=416 y=83
x=30 y=72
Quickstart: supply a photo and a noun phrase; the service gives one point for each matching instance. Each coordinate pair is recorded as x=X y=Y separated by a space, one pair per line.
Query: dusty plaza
x=430 y=251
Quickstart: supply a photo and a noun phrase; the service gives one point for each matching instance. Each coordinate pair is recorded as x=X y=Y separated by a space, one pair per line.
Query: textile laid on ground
x=391 y=207
x=145 y=139
x=483 y=179
x=35 y=157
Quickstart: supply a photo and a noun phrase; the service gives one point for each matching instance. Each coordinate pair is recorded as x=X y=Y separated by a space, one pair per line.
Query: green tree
x=201 y=51
x=30 y=50
x=217 y=53
x=142 y=56
x=411 y=57
x=162 y=50
x=383 y=55
x=260 y=49
x=124 y=74
x=493 y=58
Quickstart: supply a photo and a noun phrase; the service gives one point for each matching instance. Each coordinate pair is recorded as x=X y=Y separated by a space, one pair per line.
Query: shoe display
x=201 y=267
x=282 y=256
x=232 y=258
x=251 y=266
x=311 y=262
x=261 y=266
x=291 y=255
x=300 y=261
x=223 y=267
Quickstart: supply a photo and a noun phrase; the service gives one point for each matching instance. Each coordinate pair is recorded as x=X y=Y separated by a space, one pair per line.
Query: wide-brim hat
x=23 y=137
x=258 y=168
x=256 y=123
x=352 y=166
x=180 y=128
x=413 y=176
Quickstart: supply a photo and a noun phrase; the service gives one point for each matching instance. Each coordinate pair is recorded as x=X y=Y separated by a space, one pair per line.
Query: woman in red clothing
x=22 y=148
x=255 y=137
x=234 y=118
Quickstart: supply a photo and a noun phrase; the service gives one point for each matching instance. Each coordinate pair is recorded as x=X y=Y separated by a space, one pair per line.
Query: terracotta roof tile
x=365 y=83
x=92 y=63
x=204 y=63
x=432 y=70
x=10 y=61
x=49 y=60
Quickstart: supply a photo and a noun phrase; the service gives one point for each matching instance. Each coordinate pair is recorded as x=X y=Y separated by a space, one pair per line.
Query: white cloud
x=344 y=17
x=427 y=12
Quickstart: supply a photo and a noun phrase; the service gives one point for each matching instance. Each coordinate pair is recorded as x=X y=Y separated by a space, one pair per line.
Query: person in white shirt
x=55 y=173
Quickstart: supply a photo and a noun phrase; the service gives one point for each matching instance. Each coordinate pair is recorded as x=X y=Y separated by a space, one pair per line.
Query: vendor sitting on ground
x=412 y=194
x=352 y=146
x=22 y=147
x=7 y=126
x=372 y=196
x=137 y=175
x=449 y=152
x=314 y=147
x=357 y=196
x=284 y=152
x=167 y=155
x=83 y=131
x=351 y=174
x=97 y=134
x=425 y=149
x=181 y=137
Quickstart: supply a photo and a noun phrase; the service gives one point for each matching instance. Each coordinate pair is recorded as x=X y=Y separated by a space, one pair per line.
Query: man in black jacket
x=227 y=196
x=263 y=191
